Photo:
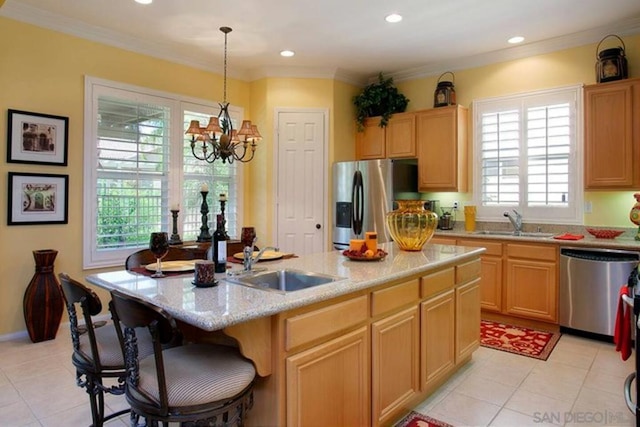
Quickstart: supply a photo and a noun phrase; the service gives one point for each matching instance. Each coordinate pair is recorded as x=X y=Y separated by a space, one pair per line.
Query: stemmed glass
x=159 y=247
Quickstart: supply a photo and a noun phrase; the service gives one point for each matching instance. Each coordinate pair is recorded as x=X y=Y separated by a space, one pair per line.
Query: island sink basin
x=512 y=233
x=283 y=281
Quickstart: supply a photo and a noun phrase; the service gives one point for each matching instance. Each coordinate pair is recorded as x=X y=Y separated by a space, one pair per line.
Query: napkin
x=569 y=236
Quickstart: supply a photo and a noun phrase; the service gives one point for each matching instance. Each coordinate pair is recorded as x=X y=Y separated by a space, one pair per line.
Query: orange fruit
x=368 y=253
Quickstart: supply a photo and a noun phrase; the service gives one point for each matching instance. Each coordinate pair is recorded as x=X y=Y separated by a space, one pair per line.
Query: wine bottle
x=220 y=246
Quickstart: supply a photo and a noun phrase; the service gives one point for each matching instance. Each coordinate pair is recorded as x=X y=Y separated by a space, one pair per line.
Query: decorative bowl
x=604 y=234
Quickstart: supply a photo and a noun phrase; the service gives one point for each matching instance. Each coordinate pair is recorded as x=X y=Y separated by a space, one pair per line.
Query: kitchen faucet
x=249 y=259
x=517 y=222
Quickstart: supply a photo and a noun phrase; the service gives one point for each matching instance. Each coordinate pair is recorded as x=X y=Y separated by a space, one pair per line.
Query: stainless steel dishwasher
x=590 y=281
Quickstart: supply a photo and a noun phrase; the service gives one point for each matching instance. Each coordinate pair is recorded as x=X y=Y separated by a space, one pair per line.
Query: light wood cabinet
x=395 y=343
x=400 y=135
x=396 y=140
x=441 y=145
x=370 y=143
x=491 y=274
x=328 y=385
x=438 y=338
x=532 y=282
x=612 y=135
x=467 y=319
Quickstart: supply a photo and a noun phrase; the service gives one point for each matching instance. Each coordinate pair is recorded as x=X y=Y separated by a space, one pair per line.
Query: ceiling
x=344 y=39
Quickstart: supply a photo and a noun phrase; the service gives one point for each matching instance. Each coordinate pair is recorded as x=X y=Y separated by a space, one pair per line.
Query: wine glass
x=159 y=247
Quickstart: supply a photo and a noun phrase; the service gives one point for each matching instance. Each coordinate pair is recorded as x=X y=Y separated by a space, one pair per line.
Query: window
x=528 y=155
x=135 y=170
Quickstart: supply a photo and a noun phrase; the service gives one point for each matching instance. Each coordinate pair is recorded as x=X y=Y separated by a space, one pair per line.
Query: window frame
x=95 y=87
x=573 y=213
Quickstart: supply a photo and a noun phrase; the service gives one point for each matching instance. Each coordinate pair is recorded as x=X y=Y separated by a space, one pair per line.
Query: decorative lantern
x=445 y=94
x=611 y=64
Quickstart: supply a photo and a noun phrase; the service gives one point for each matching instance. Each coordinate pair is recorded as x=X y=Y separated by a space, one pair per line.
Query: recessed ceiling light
x=516 y=40
x=393 y=18
x=287 y=53
x=144 y=1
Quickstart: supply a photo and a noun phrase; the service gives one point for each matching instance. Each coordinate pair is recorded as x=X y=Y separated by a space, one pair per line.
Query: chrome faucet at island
x=249 y=259
x=516 y=222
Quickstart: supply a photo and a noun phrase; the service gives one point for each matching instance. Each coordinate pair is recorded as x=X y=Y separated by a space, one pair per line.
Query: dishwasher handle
x=600 y=255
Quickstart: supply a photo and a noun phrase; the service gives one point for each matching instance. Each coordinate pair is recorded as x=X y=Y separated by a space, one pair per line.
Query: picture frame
x=37 y=138
x=37 y=198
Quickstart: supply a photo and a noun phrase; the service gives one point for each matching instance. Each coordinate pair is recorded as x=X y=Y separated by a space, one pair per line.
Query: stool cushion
x=196 y=374
x=109 y=348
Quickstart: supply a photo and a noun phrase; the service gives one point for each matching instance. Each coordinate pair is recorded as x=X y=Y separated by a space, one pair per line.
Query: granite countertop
x=625 y=241
x=227 y=303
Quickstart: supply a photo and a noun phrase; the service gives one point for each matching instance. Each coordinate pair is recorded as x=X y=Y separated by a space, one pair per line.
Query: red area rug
x=414 y=419
x=516 y=339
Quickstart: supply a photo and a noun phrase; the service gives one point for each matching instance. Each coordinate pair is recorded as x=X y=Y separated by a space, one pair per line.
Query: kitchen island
x=359 y=351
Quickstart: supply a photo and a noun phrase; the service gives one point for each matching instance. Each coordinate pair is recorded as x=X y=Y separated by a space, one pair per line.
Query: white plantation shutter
x=528 y=156
x=137 y=164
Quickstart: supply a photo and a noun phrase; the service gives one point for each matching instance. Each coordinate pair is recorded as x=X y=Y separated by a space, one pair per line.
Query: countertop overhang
x=227 y=304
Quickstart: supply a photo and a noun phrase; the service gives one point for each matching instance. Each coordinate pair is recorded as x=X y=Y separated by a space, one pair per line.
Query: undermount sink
x=512 y=233
x=286 y=280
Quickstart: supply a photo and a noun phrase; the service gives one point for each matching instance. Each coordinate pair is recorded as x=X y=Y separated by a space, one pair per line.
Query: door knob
x=318 y=226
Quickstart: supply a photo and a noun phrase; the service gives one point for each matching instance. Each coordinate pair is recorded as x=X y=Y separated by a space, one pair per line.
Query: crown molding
x=623 y=28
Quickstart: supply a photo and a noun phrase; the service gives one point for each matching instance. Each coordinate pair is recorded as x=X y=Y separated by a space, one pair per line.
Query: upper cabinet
x=612 y=135
x=396 y=140
x=441 y=144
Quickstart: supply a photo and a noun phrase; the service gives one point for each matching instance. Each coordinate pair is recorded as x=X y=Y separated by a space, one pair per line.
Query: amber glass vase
x=411 y=225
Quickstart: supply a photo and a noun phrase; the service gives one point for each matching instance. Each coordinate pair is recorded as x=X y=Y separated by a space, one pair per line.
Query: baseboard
x=64 y=328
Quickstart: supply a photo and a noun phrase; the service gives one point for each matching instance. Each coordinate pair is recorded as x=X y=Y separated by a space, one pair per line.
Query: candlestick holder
x=224 y=221
x=175 y=237
x=204 y=236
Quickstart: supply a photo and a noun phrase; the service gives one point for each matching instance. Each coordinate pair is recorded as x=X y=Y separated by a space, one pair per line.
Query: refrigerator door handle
x=357 y=202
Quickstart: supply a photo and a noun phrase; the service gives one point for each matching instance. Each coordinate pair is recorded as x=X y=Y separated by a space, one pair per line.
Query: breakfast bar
x=361 y=350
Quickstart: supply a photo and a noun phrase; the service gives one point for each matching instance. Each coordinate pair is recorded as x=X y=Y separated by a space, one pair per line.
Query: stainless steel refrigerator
x=363 y=193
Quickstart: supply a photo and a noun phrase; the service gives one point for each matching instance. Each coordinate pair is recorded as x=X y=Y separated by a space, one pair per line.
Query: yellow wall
x=43 y=71
x=567 y=67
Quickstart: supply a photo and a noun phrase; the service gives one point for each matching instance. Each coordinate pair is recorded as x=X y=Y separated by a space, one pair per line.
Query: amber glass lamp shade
x=411 y=226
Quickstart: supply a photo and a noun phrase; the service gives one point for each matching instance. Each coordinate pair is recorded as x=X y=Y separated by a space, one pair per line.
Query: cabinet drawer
x=437 y=282
x=394 y=297
x=316 y=324
x=538 y=252
x=468 y=271
x=493 y=248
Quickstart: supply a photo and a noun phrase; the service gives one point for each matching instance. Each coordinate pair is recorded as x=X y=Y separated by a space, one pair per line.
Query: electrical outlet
x=588 y=207
x=455 y=205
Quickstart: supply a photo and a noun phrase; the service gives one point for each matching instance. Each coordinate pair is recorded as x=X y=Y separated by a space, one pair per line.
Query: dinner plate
x=174 y=266
x=266 y=256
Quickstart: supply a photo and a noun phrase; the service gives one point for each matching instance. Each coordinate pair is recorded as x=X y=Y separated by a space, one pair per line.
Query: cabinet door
x=609 y=139
x=491 y=273
x=370 y=143
x=441 y=145
x=400 y=135
x=395 y=364
x=467 y=319
x=532 y=289
x=328 y=385
x=437 y=338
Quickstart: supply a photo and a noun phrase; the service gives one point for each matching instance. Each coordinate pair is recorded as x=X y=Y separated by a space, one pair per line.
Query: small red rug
x=415 y=419
x=516 y=339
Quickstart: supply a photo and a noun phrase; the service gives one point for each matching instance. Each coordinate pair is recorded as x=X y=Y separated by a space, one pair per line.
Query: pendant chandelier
x=219 y=140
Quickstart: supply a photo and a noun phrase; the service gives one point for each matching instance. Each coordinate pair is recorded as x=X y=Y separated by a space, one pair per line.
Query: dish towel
x=622 y=332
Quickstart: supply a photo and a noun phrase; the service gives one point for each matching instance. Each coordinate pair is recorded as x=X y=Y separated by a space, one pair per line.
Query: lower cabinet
x=328 y=385
x=491 y=275
x=395 y=343
x=437 y=337
x=467 y=319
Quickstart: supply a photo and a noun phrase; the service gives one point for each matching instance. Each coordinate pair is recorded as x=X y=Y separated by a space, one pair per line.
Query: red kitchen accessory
x=604 y=234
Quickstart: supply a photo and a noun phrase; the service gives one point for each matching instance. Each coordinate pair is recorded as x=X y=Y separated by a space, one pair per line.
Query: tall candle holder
x=175 y=237
x=204 y=236
x=223 y=202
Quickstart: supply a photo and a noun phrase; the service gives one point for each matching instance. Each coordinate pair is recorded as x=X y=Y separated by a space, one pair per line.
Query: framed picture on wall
x=37 y=138
x=38 y=199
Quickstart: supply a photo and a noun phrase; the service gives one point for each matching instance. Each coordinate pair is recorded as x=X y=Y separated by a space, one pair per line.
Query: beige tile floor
x=579 y=385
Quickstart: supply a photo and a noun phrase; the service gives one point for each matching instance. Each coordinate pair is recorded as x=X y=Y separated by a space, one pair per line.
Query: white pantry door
x=301 y=180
